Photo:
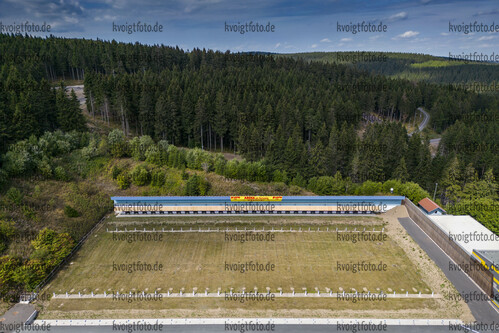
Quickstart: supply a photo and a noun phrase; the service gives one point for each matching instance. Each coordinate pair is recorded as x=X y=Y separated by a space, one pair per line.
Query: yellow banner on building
x=256 y=198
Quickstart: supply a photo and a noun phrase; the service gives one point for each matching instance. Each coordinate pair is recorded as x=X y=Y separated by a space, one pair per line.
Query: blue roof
x=284 y=198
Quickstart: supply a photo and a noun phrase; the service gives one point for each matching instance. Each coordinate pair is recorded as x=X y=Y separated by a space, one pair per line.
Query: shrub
x=280 y=176
x=294 y=190
x=8 y=282
x=117 y=143
x=51 y=247
x=139 y=146
x=123 y=180
x=192 y=186
x=326 y=185
x=389 y=184
x=115 y=171
x=91 y=150
x=299 y=181
x=7 y=230
x=140 y=176
x=482 y=209
x=19 y=160
x=60 y=174
x=153 y=155
x=413 y=191
x=199 y=159
x=102 y=148
x=37 y=191
x=44 y=168
x=204 y=186
x=15 y=196
x=369 y=188
x=220 y=164
x=70 y=211
x=158 y=178
x=280 y=187
x=4 y=177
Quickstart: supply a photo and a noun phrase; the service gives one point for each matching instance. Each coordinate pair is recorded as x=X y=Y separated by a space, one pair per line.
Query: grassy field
x=198 y=260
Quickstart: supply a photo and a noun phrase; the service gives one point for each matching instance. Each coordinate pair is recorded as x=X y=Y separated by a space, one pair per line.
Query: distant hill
x=258 y=53
x=411 y=66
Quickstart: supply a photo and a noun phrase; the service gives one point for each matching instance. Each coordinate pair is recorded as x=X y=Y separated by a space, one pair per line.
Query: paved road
x=78 y=91
x=435 y=142
x=255 y=325
x=425 y=121
x=483 y=311
x=18 y=314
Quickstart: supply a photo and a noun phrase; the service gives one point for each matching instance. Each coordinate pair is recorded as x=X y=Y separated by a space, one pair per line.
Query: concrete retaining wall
x=468 y=264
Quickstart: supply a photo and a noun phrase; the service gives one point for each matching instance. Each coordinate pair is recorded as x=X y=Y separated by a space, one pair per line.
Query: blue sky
x=420 y=26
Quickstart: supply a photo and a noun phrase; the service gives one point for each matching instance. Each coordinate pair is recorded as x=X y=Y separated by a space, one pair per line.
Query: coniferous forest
x=309 y=119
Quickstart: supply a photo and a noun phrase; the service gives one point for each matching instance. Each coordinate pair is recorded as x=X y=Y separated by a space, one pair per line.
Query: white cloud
x=345 y=39
x=314 y=46
x=492 y=12
x=325 y=40
x=486 y=38
x=277 y=45
x=398 y=16
x=108 y=18
x=407 y=34
x=69 y=19
x=444 y=33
